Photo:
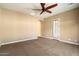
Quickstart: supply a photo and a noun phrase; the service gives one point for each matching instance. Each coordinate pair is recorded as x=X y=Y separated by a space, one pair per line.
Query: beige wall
x=46 y=28
x=17 y=26
x=69 y=25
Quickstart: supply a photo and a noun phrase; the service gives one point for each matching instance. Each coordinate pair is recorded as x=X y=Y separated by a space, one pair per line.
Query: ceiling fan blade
x=48 y=11
x=41 y=12
x=37 y=9
x=52 y=6
x=43 y=8
x=42 y=5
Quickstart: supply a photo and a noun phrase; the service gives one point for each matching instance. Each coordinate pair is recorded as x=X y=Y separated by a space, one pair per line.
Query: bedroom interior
x=34 y=29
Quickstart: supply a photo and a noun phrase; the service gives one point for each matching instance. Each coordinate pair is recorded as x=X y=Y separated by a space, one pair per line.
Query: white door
x=56 y=29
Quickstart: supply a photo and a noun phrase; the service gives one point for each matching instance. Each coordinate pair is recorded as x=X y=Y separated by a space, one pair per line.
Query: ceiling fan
x=46 y=9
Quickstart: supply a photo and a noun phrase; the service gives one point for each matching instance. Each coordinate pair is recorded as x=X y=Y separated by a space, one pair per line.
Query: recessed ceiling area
x=27 y=8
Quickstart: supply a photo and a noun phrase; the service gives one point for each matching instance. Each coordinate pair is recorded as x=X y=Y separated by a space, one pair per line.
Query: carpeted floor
x=40 y=47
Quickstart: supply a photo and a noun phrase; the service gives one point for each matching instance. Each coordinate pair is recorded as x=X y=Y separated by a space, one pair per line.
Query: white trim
x=63 y=41
x=69 y=42
x=31 y=38
x=47 y=37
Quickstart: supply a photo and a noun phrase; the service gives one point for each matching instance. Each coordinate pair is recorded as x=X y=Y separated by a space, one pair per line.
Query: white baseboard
x=47 y=37
x=31 y=38
x=70 y=42
x=63 y=41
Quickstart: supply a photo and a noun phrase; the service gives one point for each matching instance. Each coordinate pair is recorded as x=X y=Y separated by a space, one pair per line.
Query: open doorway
x=56 y=29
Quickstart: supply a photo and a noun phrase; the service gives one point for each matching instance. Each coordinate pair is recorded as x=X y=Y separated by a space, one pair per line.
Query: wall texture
x=17 y=26
x=69 y=25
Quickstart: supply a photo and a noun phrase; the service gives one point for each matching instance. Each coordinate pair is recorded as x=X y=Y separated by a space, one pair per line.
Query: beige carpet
x=40 y=47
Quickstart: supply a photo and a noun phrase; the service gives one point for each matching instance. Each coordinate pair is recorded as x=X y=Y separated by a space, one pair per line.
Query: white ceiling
x=27 y=8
